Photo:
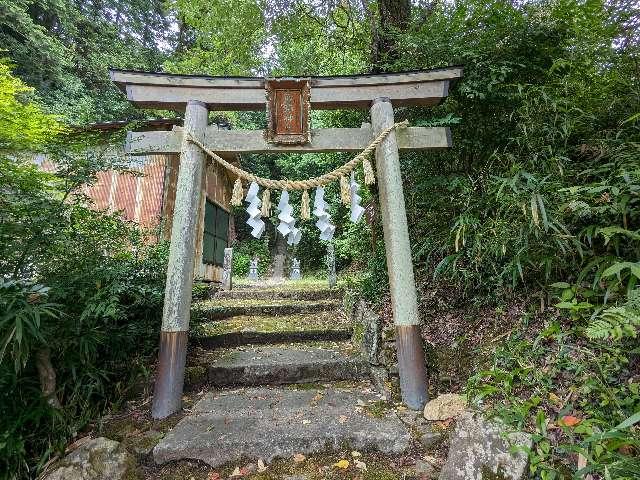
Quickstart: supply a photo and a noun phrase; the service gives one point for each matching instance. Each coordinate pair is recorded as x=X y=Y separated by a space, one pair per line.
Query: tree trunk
x=394 y=17
x=47 y=376
x=279 y=256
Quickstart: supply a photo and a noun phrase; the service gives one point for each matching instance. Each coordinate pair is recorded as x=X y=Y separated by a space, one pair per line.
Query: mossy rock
x=96 y=459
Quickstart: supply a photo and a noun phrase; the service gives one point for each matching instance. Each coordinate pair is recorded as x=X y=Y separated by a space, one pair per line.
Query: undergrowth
x=578 y=396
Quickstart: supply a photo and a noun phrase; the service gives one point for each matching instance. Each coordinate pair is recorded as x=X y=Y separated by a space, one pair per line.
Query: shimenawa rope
x=320 y=181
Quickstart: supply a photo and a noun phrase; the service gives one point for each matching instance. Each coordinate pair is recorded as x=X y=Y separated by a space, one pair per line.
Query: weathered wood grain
x=156 y=90
x=228 y=142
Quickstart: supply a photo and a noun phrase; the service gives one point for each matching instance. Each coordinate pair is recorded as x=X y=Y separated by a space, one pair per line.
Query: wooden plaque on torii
x=288 y=105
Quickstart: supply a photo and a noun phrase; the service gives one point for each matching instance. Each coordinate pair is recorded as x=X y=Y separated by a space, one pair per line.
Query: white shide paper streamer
x=320 y=208
x=255 y=216
x=287 y=226
x=356 y=209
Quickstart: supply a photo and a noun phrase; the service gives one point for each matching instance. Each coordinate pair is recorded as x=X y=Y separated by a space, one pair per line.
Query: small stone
x=424 y=469
x=430 y=439
x=448 y=405
x=409 y=417
x=97 y=459
x=379 y=378
x=480 y=448
x=143 y=444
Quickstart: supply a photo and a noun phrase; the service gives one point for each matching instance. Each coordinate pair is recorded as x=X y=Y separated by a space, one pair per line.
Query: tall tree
x=394 y=17
x=64 y=48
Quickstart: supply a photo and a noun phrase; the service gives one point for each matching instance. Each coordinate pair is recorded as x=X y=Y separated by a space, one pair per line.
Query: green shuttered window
x=216 y=234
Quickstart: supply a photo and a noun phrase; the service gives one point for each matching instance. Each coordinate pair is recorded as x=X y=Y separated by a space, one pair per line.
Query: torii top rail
x=197 y=95
x=172 y=92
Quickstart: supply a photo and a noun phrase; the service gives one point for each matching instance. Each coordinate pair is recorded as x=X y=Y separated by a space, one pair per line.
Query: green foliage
x=538 y=145
x=541 y=186
x=200 y=291
x=546 y=371
x=23 y=125
x=64 y=48
x=222 y=44
x=245 y=251
x=81 y=285
x=23 y=312
x=615 y=323
x=108 y=310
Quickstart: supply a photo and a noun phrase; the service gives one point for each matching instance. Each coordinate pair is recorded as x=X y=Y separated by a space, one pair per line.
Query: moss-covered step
x=259 y=330
x=218 y=309
x=277 y=365
x=279 y=294
x=303 y=284
x=274 y=422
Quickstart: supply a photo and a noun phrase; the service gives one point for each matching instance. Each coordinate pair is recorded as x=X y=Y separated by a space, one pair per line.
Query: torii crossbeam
x=197 y=95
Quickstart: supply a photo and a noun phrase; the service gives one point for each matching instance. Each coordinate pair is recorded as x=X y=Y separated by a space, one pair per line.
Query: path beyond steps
x=328 y=412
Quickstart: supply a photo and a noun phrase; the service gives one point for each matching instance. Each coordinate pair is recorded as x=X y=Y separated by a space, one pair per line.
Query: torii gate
x=197 y=95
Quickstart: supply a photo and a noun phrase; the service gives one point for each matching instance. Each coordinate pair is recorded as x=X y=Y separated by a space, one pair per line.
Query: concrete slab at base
x=284 y=365
x=271 y=423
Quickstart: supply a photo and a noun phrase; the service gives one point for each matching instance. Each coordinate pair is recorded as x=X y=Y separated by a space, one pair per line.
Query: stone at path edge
x=447 y=405
x=480 y=449
x=96 y=459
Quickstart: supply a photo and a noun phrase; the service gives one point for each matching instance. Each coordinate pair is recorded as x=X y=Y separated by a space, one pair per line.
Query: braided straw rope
x=320 y=181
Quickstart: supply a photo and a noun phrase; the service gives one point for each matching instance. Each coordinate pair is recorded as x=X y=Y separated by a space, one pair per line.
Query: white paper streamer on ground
x=356 y=209
x=255 y=216
x=320 y=208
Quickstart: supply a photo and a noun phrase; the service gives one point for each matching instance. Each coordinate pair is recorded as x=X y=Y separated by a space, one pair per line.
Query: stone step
x=278 y=365
x=276 y=422
x=260 y=330
x=278 y=294
x=218 y=309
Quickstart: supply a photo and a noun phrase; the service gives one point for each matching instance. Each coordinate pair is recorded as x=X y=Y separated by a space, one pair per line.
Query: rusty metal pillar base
x=411 y=366
x=167 y=395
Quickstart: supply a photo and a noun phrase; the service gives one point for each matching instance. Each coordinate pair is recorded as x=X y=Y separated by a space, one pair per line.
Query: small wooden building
x=148 y=199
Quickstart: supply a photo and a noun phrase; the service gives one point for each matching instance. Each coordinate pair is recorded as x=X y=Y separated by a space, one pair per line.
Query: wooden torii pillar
x=196 y=96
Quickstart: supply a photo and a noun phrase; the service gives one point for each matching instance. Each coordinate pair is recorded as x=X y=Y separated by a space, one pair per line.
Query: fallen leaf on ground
x=355 y=454
x=342 y=418
x=569 y=421
x=431 y=459
x=261 y=466
x=299 y=458
x=213 y=476
x=236 y=473
x=360 y=465
x=555 y=399
x=342 y=464
x=582 y=461
x=444 y=424
x=626 y=449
